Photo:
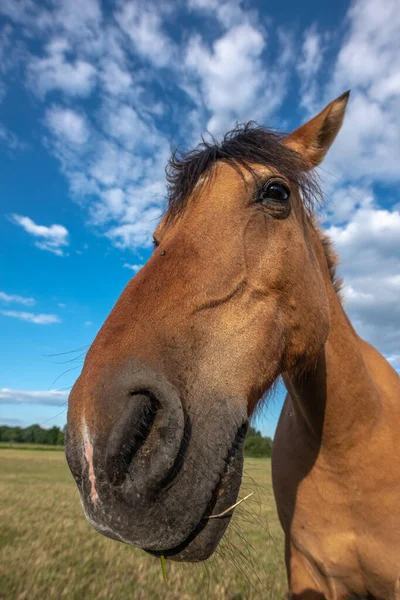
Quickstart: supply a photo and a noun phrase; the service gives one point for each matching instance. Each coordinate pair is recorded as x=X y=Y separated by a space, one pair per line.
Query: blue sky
x=91 y=101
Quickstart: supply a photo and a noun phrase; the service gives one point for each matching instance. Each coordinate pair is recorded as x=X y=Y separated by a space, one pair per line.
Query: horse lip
x=198 y=528
x=236 y=448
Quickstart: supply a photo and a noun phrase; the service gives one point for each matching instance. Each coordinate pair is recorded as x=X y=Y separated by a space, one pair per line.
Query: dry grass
x=47 y=550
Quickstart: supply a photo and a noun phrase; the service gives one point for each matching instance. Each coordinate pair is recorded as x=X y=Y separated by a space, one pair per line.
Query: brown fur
x=241 y=290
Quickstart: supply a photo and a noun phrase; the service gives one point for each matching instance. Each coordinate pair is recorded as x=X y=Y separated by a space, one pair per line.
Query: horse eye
x=278 y=192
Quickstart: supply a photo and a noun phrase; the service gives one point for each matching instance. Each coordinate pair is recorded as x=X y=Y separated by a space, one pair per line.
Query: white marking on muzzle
x=88 y=446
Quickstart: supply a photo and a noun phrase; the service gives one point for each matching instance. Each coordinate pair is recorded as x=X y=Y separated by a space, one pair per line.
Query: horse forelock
x=244 y=146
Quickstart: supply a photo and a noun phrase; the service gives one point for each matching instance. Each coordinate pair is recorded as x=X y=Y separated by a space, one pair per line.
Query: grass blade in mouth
x=228 y=510
x=163 y=568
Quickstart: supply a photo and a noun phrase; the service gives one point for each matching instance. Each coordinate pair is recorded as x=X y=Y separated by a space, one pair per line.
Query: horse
x=242 y=289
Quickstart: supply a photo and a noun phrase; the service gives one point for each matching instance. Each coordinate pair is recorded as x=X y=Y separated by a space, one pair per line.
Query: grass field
x=47 y=550
x=11 y=445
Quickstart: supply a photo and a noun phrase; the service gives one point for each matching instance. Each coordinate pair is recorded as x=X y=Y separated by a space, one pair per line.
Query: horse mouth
x=170 y=516
x=206 y=535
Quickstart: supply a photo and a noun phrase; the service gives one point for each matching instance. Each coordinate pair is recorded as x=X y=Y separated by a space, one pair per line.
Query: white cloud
x=123 y=169
x=38 y=319
x=144 y=27
x=369 y=63
x=49 y=397
x=9 y=139
x=67 y=124
x=129 y=129
x=81 y=27
x=343 y=201
x=9 y=298
x=369 y=248
x=134 y=268
x=233 y=80
x=112 y=166
x=227 y=12
x=52 y=238
x=88 y=323
x=10 y=56
x=55 y=72
x=25 y=12
x=61 y=305
x=119 y=176
x=308 y=67
x=234 y=58
x=83 y=23
x=372 y=229
x=394 y=360
x=115 y=80
x=111 y=206
x=362 y=221
x=311 y=58
x=137 y=233
x=129 y=186
x=372 y=44
x=114 y=199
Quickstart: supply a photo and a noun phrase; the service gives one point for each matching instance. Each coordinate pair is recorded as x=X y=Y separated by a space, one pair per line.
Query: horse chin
x=205 y=537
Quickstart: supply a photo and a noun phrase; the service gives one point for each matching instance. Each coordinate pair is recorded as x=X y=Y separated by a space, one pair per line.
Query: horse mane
x=332 y=258
x=247 y=144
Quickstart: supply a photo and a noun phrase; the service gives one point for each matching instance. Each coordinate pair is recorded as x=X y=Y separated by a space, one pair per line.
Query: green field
x=19 y=446
x=47 y=550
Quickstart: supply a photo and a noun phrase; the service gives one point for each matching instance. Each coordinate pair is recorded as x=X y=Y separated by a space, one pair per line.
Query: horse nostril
x=130 y=434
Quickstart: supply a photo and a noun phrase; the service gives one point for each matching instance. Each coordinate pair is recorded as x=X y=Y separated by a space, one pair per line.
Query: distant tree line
x=255 y=445
x=34 y=434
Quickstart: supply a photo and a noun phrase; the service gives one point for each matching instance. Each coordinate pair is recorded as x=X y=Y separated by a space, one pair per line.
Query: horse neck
x=336 y=402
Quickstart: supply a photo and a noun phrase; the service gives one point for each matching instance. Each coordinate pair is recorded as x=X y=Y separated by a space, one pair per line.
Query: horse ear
x=313 y=139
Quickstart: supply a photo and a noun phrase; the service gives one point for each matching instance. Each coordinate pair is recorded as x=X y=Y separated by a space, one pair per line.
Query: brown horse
x=240 y=290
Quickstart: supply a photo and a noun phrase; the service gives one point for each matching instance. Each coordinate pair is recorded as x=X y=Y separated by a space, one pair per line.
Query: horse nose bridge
x=152 y=307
